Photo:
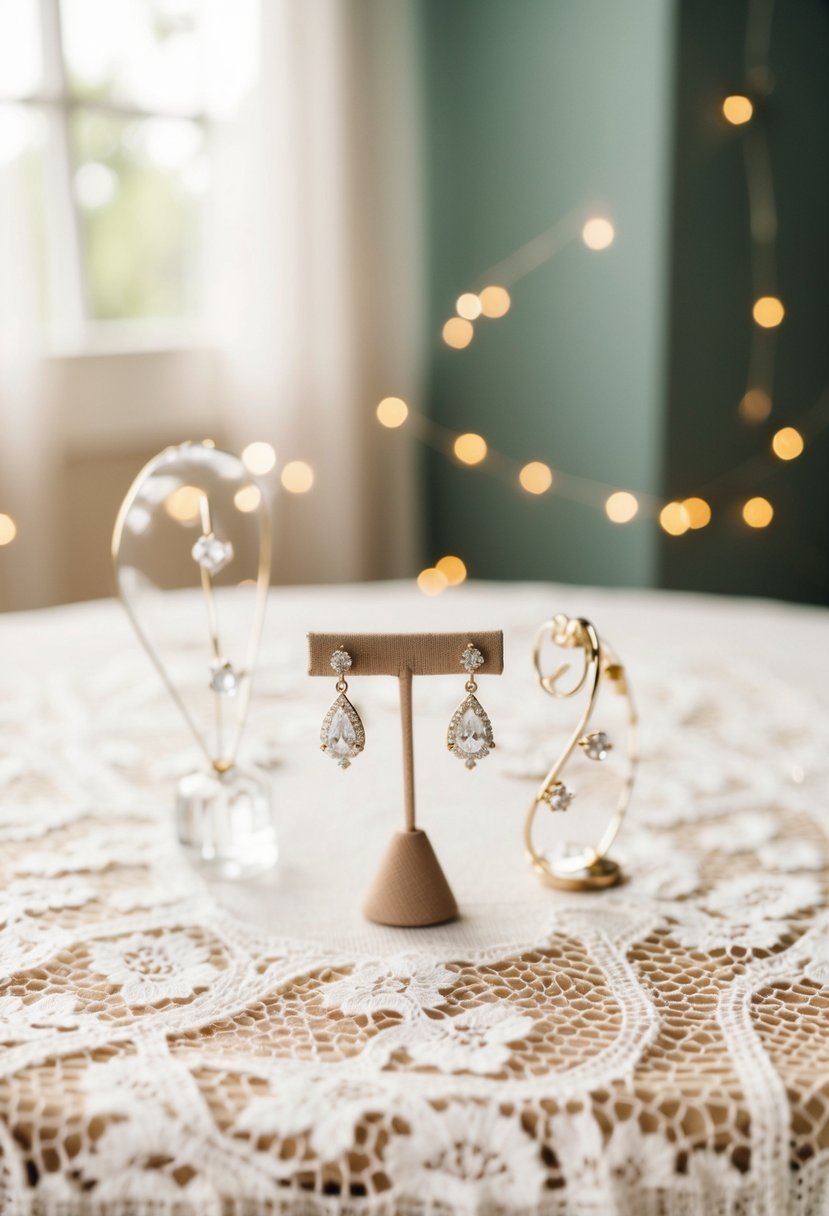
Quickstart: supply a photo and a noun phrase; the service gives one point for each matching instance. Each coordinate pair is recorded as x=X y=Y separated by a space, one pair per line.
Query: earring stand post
x=409 y=888
x=408 y=748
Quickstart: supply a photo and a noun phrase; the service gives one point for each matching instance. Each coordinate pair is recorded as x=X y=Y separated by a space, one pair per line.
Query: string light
x=674 y=519
x=469 y=306
x=536 y=477
x=458 y=333
x=259 y=458
x=758 y=512
x=297 y=477
x=452 y=569
x=392 y=412
x=598 y=233
x=787 y=443
x=621 y=507
x=432 y=581
x=183 y=504
x=247 y=499
x=8 y=529
x=768 y=312
x=737 y=109
x=470 y=448
x=755 y=405
x=495 y=302
x=699 y=512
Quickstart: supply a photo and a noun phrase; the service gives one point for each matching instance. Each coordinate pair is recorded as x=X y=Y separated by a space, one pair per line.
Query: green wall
x=535 y=108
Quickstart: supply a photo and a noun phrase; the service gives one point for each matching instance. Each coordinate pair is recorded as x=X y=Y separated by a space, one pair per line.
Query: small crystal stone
x=341 y=662
x=224 y=679
x=471 y=734
x=596 y=745
x=211 y=553
x=341 y=739
x=472 y=659
x=558 y=797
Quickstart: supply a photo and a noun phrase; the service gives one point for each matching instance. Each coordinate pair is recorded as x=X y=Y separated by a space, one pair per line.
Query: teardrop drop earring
x=469 y=736
x=342 y=735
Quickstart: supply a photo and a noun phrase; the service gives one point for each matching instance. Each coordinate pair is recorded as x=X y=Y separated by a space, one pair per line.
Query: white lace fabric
x=169 y=1046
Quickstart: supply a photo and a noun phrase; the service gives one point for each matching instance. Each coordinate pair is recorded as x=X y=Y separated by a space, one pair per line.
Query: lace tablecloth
x=659 y=1048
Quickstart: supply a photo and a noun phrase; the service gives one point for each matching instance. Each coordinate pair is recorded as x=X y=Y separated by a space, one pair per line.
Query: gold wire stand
x=588 y=868
x=222 y=759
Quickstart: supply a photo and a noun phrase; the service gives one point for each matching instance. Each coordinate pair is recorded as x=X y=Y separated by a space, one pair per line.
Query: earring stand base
x=599 y=874
x=410 y=889
x=225 y=822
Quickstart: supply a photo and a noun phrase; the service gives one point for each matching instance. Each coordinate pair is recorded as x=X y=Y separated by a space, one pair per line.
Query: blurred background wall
x=629 y=368
x=253 y=221
x=538 y=114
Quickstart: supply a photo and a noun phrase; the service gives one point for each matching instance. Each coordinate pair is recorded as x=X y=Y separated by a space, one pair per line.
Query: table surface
x=177 y=1046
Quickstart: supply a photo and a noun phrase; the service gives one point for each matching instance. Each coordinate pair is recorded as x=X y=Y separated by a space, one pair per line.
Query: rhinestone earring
x=342 y=735
x=469 y=736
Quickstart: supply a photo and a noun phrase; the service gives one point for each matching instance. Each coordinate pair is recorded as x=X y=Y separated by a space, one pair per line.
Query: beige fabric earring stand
x=409 y=888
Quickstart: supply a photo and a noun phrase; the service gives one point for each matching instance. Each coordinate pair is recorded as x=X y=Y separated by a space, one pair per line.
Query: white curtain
x=316 y=282
x=28 y=565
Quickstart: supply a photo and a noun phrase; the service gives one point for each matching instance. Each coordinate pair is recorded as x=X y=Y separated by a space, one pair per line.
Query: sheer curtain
x=316 y=279
x=27 y=566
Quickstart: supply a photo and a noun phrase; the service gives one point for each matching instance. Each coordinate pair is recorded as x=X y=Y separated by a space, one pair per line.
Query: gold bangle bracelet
x=582 y=868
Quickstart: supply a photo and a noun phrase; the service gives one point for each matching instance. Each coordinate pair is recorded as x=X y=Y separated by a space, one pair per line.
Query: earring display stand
x=409 y=888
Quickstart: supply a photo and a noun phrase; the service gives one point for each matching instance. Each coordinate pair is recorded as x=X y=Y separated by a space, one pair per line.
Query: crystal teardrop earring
x=342 y=735
x=469 y=736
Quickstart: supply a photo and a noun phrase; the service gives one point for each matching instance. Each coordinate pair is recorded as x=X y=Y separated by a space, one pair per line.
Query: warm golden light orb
x=468 y=306
x=737 y=109
x=259 y=458
x=699 y=512
x=787 y=443
x=470 y=448
x=247 y=499
x=755 y=406
x=452 y=569
x=495 y=302
x=297 y=477
x=621 y=507
x=432 y=581
x=598 y=233
x=458 y=333
x=536 y=477
x=674 y=519
x=183 y=504
x=758 y=512
x=768 y=312
x=392 y=412
x=8 y=529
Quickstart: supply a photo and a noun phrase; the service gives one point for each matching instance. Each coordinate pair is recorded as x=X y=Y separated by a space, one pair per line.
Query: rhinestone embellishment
x=223 y=679
x=558 y=797
x=341 y=662
x=472 y=659
x=596 y=745
x=211 y=553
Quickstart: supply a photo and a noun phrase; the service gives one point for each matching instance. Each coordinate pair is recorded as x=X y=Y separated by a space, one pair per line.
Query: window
x=106 y=111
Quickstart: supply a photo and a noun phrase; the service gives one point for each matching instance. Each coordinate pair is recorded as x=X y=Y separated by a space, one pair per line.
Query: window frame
x=72 y=329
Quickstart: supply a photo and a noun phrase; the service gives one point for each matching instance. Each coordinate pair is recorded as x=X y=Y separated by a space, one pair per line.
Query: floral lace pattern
x=171 y=1048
